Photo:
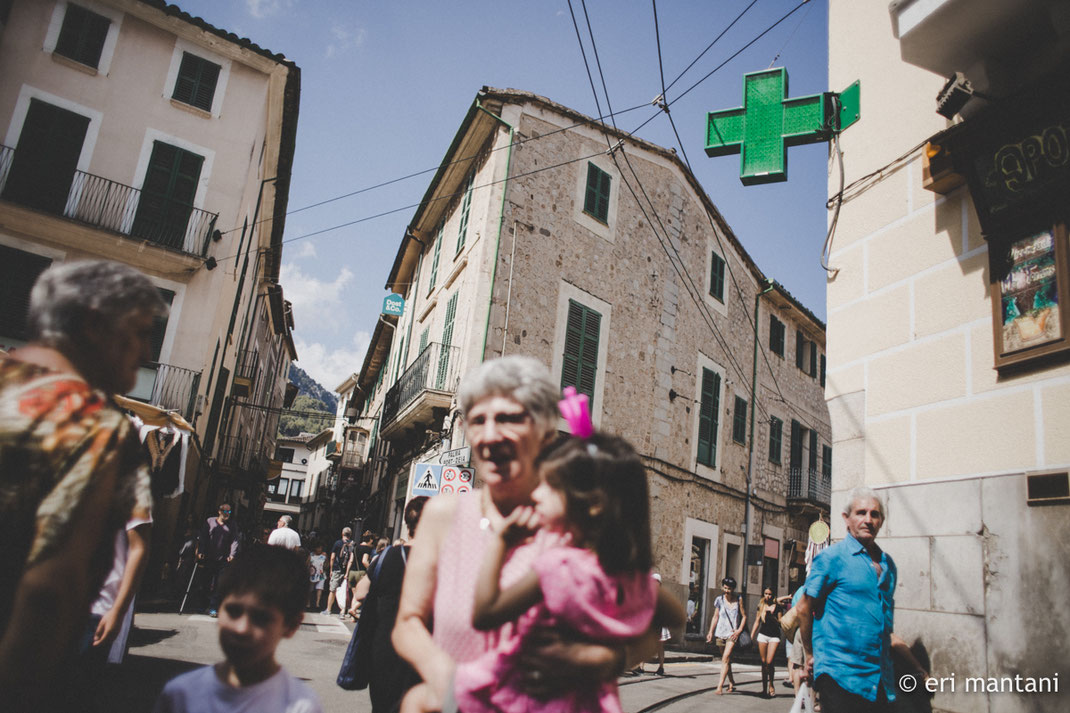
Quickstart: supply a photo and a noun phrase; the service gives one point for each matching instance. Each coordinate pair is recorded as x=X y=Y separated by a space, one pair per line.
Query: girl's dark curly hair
x=606 y=497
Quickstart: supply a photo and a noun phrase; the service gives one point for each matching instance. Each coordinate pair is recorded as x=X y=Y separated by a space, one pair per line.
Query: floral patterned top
x=59 y=439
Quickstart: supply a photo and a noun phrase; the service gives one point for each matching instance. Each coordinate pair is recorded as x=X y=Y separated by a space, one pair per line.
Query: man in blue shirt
x=846 y=614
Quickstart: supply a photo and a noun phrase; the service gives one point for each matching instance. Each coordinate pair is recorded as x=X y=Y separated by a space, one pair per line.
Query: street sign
x=768 y=122
x=394 y=305
x=459 y=456
x=434 y=478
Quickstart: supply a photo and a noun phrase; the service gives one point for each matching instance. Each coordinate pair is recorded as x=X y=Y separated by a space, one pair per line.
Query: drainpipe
x=769 y=285
x=501 y=220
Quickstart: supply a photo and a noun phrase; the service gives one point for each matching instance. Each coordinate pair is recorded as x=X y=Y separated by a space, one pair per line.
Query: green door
x=46 y=157
x=167 y=195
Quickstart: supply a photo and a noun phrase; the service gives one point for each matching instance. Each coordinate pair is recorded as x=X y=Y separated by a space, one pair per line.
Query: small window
x=82 y=35
x=434 y=259
x=466 y=208
x=580 y=363
x=709 y=406
x=776 y=439
x=739 y=421
x=286 y=455
x=717 y=277
x=596 y=197
x=196 y=81
x=295 y=488
x=776 y=336
x=159 y=325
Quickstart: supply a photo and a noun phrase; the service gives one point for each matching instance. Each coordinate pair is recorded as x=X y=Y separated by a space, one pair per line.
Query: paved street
x=165 y=645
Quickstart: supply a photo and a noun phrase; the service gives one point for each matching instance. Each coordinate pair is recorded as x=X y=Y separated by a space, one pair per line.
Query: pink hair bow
x=575 y=411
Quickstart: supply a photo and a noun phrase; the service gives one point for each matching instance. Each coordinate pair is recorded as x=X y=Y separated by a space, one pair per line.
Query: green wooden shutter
x=709 y=407
x=800 y=350
x=813 y=451
x=196 y=81
x=423 y=340
x=447 y=341
x=717 y=277
x=82 y=35
x=46 y=157
x=579 y=367
x=434 y=259
x=813 y=359
x=776 y=437
x=826 y=462
x=167 y=195
x=466 y=207
x=796 y=444
x=596 y=197
x=739 y=421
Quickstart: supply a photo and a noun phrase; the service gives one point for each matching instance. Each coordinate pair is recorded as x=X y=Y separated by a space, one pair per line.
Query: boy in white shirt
x=263 y=594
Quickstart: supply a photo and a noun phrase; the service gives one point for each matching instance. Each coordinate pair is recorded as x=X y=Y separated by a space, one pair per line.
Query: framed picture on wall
x=1030 y=291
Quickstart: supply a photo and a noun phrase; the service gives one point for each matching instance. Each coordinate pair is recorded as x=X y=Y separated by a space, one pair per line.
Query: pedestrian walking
x=71 y=464
x=316 y=576
x=341 y=559
x=847 y=611
x=726 y=626
x=766 y=631
x=216 y=548
x=263 y=596
x=283 y=535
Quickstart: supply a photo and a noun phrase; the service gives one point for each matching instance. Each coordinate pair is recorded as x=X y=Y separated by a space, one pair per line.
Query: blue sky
x=386 y=84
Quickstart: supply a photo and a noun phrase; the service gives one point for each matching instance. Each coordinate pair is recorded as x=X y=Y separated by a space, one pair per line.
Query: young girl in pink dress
x=593 y=491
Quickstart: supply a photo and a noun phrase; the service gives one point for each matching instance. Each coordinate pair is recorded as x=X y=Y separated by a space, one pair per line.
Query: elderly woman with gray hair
x=509 y=406
x=71 y=472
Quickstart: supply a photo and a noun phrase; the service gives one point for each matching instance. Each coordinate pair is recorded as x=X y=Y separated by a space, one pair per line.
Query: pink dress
x=577 y=595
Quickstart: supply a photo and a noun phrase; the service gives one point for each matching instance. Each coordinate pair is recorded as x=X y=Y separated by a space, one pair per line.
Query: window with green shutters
x=447 y=340
x=82 y=35
x=423 y=340
x=709 y=407
x=196 y=82
x=813 y=451
x=776 y=336
x=466 y=207
x=434 y=258
x=167 y=195
x=716 y=277
x=579 y=365
x=739 y=421
x=596 y=197
x=776 y=439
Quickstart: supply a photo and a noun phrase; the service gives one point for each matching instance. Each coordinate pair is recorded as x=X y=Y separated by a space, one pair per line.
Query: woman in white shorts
x=766 y=631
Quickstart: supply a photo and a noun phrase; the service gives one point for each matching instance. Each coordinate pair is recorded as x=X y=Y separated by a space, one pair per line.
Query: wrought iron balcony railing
x=436 y=369
x=103 y=203
x=175 y=389
x=809 y=484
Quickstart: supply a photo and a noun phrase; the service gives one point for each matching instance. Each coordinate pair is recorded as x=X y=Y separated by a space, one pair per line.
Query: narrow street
x=165 y=645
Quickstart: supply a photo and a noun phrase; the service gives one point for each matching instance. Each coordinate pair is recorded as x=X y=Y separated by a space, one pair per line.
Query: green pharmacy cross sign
x=768 y=122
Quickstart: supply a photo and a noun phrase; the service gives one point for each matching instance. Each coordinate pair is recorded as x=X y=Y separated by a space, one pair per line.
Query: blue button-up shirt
x=853 y=616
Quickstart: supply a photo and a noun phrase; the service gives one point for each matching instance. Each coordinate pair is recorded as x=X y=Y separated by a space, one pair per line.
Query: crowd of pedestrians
x=534 y=591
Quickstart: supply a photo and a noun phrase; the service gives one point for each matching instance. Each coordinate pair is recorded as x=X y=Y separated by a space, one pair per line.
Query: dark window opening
x=196 y=82
x=82 y=35
x=596 y=197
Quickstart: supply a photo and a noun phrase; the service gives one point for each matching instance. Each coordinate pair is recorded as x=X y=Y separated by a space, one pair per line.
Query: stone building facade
x=530 y=240
x=948 y=382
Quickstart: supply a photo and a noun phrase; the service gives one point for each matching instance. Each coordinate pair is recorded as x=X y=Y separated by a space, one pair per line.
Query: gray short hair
x=522 y=378
x=286 y=520
x=862 y=492
x=64 y=294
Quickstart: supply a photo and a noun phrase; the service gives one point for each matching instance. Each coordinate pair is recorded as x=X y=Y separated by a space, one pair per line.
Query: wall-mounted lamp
x=956 y=92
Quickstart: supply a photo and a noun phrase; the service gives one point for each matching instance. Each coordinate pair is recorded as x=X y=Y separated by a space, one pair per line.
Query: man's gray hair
x=862 y=492
x=522 y=378
x=286 y=520
x=64 y=294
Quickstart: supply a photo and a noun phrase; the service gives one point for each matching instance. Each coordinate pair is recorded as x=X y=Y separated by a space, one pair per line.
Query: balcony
x=428 y=384
x=352 y=459
x=235 y=453
x=102 y=203
x=245 y=370
x=809 y=487
x=168 y=387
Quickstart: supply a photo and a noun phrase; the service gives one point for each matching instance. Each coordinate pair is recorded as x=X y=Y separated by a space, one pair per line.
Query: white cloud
x=330 y=367
x=265 y=8
x=313 y=299
x=307 y=248
x=343 y=38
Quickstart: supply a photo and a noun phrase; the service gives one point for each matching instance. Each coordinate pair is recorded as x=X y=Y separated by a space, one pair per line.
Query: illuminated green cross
x=769 y=122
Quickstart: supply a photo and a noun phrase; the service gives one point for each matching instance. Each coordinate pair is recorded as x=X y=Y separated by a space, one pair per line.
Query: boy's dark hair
x=413 y=510
x=606 y=497
x=276 y=575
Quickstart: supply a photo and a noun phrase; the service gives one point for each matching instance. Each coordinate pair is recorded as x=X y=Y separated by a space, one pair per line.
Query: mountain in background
x=311 y=396
x=310 y=387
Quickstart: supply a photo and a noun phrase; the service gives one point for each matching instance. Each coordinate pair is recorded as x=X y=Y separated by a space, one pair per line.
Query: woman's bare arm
x=493 y=607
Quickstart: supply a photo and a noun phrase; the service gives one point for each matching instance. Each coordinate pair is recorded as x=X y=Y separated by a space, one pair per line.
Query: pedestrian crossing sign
x=434 y=478
x=426 y=479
